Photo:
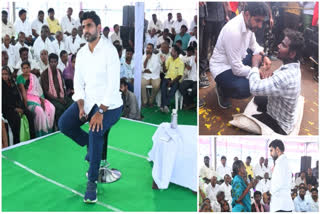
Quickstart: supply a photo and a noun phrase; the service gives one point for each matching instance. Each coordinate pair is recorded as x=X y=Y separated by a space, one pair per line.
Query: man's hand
x=265 y=73
x=266 y=63
x=147 y=71
x=271 y=22
x=19 y=110
x=96 y=122
x=256 y=60
x=162 y=58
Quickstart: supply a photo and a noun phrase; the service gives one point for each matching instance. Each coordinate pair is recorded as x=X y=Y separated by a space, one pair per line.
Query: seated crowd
x=38 y=66
x=216 y=193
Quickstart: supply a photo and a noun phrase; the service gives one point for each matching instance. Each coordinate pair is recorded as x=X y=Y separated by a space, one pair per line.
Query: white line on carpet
x=58 y=184
x=127 y=152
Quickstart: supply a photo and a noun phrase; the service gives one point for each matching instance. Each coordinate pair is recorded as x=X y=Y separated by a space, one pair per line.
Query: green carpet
x=155 y=116
x=58 y=158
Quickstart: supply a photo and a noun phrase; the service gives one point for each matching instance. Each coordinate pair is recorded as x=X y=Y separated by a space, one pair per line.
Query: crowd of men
x=216 y=195
x=50 y=46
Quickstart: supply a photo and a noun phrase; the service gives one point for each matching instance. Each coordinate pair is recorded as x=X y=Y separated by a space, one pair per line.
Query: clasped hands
x=264 y=70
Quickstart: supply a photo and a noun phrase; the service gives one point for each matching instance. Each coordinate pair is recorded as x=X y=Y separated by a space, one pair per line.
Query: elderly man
x=9 y=49
x=68 y=23
x=44 y=61
x=176 y=26
x=58 y=44
x=23 y=53
x=73 y=42
x=116 y=35
x=258 y=169
x=42 y=42
x=212 y=189
x=264 y=184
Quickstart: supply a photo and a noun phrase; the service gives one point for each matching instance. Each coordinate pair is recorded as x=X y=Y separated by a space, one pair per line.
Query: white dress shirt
x=37 y=25
x=192 y=25
x=115 y=37
x=211 y=192
x=314 y=205
x=40 y=45
x=25 y=27
x=158 y=25
x=281 y=186
x=258 y=170
x=267 y=169
x=8 y=29
x=207 y=172
x=298 y=181
x=97 y=76
x=11 y=53
x=153 y=65
x=168 y=24
x=165 y=55
x=161 y=40
x=153 y=40
x=223 y=170
x=17 y=53
x=67 y=25
x=177 y=25
x=192 y=74
x=231 y=48
x=227 y=191
x=263 y=185
x=33 y=64
x=42 y=66
x=73 y=46
x=58 y=47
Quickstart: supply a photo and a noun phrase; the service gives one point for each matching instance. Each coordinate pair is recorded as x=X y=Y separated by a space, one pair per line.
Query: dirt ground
x=213 y=120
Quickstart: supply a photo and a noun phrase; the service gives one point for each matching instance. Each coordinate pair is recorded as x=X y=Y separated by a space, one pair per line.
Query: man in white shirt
x=78 y=20
x=163 y=38
x=58 y=44
x=212 y=189
x=20 y=44
x=68 y=23
x=38 y=23
x=167 y=24
x=258 y=169
x=73 y=42
x=229 y=64
x=177 y=24
x=97 y=96
x=63 y=61
x=223 y=169
x=9 y=48
x=301 y=179
x=106 y=31
x=23 y=56
x=155 y=24
x=281 y=179
x=150 y=75
x=151 y=38
x=193 y=24
x=116 y=35
x=44 y=61
x=7 y=27
x=301 y=204
x=313 y=201
x=226 y=188
x=206 y=171
x=22 y=25
x=194 y=38
x=42 y=42
x=267 y=168
x=264 y=184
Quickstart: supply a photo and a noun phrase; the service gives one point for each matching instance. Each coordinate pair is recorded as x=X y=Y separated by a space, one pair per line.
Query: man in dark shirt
x=310 y=178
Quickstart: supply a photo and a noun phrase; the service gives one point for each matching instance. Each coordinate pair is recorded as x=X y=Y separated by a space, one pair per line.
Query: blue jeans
x=69 y=124
x=233 y=86
x=165 y=95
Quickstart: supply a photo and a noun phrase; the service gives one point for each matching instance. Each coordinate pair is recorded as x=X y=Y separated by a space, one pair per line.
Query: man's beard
x=275 y=157
x=91 y=37
x=250 y=26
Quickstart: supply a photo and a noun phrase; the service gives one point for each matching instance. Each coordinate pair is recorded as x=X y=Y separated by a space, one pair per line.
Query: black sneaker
x=222 y=101
x=90 y=196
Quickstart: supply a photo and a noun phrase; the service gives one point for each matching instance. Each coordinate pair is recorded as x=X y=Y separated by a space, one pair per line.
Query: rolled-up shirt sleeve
x=232 y=45
x=113 y=77
x=78 y=82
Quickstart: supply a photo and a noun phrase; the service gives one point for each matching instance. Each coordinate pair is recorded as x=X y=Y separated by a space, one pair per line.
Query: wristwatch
x=100 y=110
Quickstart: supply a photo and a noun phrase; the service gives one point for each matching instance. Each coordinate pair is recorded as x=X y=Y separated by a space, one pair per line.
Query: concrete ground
x=213 y=120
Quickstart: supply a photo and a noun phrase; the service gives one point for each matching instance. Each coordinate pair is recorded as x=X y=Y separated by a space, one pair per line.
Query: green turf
x=155 y=116
x=62 y=160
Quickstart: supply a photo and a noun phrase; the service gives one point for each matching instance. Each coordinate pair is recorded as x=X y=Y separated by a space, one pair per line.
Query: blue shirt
x=301 y=205
x=185 y=40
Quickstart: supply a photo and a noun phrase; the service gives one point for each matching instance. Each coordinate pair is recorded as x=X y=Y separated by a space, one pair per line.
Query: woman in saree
x=240 y=192
x=34 y=100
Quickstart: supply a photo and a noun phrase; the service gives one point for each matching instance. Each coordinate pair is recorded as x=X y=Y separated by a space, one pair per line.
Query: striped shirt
x=283 y=90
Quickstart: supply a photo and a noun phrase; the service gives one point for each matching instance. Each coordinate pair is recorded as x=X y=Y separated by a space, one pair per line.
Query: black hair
x=296 y=41
x=314 y=189
x=51 y=10
x=170 y=14
x=22 y=49
x=179 y=41
x=25 y=63
x=194 y=44
x=91 y=15
x=277 y=143
x=40 y=12
x=166 y=30
x=154 y=14
x=206 y=157
x=191 y=49
x=249 y=158
x=53 y=56
x=106 y=28
x=256 y=8
x=167 y=40
x=123 y=81
x=7 y=69
x=236 y=167
x=118 y=47
x=223 y=157
x=183 y=26
x=257 y=193
x=302 y=187
x=114 y=26
x=130 y=50
x=22 y=11
x=62 y=53
x=4 y=12
x=73 y=56
x=177 y=49
x=151 y=45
